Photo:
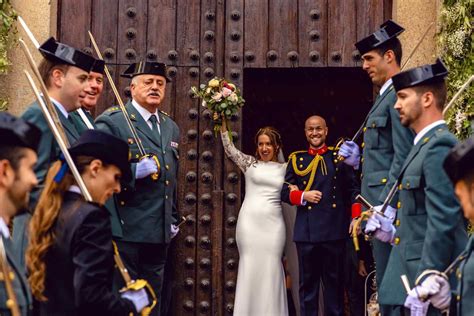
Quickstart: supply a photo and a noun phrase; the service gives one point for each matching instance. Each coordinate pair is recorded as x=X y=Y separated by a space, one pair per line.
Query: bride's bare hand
x=293 y=187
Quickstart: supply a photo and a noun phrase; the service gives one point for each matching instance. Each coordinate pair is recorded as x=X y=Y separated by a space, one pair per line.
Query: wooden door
x=200 y=39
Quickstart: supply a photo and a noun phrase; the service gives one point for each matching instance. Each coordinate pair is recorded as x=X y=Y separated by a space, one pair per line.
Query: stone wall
x=40 y=15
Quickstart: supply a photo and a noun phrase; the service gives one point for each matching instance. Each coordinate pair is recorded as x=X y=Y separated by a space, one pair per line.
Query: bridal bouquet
x=221 y=97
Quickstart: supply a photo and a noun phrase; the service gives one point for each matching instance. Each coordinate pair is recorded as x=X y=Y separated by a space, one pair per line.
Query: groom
x=327 y=190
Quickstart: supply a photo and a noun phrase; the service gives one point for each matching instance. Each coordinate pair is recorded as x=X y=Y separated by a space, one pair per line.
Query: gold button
x=334 y=205
x=426 y=139
x=334 y=178
x=400 y=187
x=333 y=196
x=122 y=203
x=304 y=182
x=337 y=169
x=335 y=160
x=373 y=125
x=301 y=158
x=397 y=240
x=408 y=184
x=166 y=196
x=167 y=182
x=384 y=180
x=399 y=204
x=301 y=166
x=365 y=129
x=397 y=222
x=362 y=159
x=334 y=187
x=167 y=167
x=136 y=156
x=309 y=207
x=458 y=298
x=125 y=189
x=362 y=145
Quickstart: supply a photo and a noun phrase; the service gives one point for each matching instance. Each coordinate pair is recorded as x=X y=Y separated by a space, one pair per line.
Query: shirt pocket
x=373 y=131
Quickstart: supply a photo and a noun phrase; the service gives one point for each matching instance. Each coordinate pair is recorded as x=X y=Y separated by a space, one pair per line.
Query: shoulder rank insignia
x=163 y=112
x=112 y=109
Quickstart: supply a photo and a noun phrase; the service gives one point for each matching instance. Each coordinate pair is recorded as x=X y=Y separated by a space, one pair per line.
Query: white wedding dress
x=260 y=237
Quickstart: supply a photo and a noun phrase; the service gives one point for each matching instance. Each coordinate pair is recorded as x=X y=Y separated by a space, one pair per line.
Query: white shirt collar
x=60 y=107
x=145 y=113
x=74 y=188
x=4 y=229
x=426 y=129
x=385 y=86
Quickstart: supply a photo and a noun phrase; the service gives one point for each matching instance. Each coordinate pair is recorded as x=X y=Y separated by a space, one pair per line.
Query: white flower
x=217 y=96
x=233 y=97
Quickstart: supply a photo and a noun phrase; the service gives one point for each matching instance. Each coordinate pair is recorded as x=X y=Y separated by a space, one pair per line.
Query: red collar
x=319 y=151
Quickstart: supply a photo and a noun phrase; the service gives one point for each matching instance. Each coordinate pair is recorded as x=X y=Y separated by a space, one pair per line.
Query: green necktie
x=154 y=124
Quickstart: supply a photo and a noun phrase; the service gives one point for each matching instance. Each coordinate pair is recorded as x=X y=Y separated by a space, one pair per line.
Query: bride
x=260 y=232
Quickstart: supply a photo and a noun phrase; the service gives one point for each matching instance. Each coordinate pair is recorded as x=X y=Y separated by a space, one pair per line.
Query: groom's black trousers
x=321 y=262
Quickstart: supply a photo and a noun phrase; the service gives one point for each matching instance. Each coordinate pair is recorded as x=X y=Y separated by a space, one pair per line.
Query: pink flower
x=226 y=92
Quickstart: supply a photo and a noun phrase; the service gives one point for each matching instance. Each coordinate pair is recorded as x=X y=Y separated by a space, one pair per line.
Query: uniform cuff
x=296 y=197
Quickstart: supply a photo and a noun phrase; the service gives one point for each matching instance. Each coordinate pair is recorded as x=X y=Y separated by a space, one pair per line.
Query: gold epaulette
x=112 y=109
x=296 y=152
x=163 y=112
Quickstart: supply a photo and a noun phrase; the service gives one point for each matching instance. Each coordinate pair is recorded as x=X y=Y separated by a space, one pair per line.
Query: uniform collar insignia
x=319 y=151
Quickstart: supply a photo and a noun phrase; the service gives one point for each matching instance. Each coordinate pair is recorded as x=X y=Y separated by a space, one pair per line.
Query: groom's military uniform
x=320 y=230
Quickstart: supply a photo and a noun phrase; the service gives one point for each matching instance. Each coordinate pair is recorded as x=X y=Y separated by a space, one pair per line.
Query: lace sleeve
x=242 y=160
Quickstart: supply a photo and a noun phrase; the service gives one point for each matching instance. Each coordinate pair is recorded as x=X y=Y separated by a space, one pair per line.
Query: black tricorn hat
x=106 y=147
x=146 y=68
x=15 y=131
x=55 y=51
x=425 y=74
x=99 y=66
x=387 y=31
x=460 y=160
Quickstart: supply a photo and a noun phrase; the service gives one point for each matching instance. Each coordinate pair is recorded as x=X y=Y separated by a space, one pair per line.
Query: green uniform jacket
x=19 y=283
x=386 y=145
x=146 y=208
x=48 y=149
x=79 y=124
x=48 y=152
x=430 y=226
x=464 y=294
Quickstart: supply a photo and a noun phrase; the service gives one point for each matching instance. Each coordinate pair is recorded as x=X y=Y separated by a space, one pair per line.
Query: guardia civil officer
x=429 y=231
x=326 y=191
x=85 y=121
x=459 y=165
x=64 y=71
x=18 y=144
x=386 y=142
x=146 y=206
x=70 y=254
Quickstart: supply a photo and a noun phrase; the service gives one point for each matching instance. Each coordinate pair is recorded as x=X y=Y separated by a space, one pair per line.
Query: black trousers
x=144 y=261
x=324 y=262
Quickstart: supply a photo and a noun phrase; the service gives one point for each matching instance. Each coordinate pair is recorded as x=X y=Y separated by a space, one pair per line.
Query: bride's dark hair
x=275 y=140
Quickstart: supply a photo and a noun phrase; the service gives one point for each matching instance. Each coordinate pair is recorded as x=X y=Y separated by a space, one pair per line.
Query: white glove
x=350 y=151
x=174 y=230
x=381 y=225
x=145 y=167
x=416 y=306
x=139 y=298
x=442 y=298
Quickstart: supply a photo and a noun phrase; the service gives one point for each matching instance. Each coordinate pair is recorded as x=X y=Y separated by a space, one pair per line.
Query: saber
x=132 y=129
x=416 y=46
x=84 y=118
x=28 y=32
x=57 y=135
x=119 y=99
x=456 y=96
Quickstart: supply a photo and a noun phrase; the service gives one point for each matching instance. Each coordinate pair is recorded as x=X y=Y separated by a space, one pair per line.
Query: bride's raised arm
x=242 y=160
